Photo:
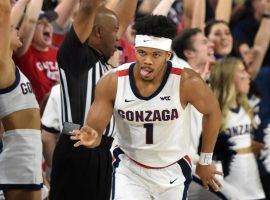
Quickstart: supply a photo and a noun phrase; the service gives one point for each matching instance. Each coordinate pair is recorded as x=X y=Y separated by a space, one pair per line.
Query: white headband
x=153 y=42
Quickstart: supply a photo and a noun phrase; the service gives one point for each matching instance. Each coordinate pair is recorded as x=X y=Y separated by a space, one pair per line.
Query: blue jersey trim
x=186 y=170
x=14 y=85
x=135 y=89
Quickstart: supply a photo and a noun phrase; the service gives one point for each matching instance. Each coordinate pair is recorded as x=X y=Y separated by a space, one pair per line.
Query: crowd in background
x=225 y=41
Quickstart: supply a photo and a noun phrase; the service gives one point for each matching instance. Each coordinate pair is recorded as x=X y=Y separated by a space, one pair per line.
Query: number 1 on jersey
x=149 y=133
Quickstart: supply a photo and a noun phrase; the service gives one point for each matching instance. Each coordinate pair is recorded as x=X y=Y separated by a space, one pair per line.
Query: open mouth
x=47 y=34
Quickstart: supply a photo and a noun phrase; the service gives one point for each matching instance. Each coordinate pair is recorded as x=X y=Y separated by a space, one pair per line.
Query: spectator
x=192 y=46
x=237 y=122
x=37 y=58
x=245 y=30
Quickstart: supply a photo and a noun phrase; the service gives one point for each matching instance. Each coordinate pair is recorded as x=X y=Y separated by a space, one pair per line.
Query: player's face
x=220 y=35
x=151 y=62
x=241 y=79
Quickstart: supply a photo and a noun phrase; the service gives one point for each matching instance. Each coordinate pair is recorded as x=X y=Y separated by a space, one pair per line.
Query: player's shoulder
x=190 y=77
x=122 y=70
x=179 y=63
x=123 y=67
x=114 y=73
x=190 y=73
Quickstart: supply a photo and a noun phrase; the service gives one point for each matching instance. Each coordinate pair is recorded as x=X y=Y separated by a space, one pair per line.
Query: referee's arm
x=84 y=20
x=125 y=10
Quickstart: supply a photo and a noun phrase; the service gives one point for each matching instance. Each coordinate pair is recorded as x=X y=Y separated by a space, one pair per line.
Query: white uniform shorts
x=21 y=159
x=135 y=182
x=244 y=176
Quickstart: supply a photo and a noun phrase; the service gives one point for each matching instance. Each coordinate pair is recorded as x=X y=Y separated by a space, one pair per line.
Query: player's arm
x=84 y=20
x=195 y=91
x=99 y=114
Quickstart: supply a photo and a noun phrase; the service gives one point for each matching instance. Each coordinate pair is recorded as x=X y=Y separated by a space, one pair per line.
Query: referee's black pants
x=81 y=173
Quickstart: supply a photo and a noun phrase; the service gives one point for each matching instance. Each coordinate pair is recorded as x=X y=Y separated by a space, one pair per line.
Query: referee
x=81 y=173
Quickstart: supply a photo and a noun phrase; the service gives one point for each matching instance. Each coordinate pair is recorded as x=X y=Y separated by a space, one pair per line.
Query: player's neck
x=148 y=87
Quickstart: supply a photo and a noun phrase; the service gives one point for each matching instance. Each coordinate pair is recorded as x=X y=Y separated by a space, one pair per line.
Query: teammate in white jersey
x=20 y=160
x=150 y=100
x=230 y=82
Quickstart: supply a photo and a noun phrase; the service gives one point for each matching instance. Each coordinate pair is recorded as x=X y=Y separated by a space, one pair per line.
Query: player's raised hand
x=86 y=136
x=207 y=175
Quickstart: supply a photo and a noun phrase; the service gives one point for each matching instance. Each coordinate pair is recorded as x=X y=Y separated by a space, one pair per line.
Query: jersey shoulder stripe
x=124 y=72
x=176 y=71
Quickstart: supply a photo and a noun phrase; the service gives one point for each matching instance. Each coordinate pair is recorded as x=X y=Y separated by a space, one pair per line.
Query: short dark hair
x=155 y=25
x=211 y=23
x=183 y=42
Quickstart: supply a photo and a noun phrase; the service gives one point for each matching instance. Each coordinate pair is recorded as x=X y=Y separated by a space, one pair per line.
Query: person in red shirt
x=41 y=68
x=37 y=58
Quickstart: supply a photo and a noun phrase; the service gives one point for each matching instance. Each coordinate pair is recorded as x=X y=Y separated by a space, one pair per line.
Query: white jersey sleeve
x=51 y=116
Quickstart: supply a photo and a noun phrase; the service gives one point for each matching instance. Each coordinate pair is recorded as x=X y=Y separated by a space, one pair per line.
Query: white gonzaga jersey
x=18 y=96
x=243 y=173
x=151 y=130
x=239 y=128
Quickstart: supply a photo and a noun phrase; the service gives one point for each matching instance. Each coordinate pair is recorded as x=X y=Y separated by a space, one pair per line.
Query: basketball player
x=20 y=160
x=150 y=100
x=82 y=60
x=237 y=124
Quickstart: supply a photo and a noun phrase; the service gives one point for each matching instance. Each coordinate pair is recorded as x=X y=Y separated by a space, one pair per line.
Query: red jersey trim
x=149 y=167
x=186 y=157
x=123 y=72
x=176 y=71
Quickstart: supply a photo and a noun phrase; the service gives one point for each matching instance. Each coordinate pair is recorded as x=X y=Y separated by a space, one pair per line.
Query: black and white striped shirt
x=80 y=69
